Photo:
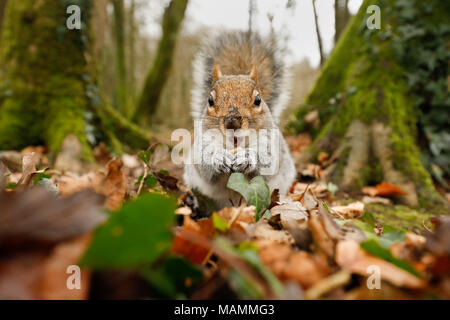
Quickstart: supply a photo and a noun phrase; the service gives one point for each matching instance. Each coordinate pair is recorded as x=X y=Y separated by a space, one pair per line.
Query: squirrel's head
x=235 y=101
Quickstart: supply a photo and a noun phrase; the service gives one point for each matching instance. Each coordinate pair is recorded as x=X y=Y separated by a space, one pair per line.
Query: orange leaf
x=383 y=189
x=189 y=250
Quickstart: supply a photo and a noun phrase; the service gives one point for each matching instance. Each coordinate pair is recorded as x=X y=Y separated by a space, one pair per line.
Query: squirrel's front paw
x=246 y=161
x=222 y=160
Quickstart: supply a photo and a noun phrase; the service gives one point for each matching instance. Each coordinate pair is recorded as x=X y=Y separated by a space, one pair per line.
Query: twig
x=425 y=227
x=326 y=285
x=144 y=177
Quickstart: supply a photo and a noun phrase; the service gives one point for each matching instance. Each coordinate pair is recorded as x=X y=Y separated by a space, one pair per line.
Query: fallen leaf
x=287 y=264
x=192 y=251
x=35 y=216
x=381 y=200
x=111 y=184
x=184 y=211
x=383 y=189
x=29 y=163
x=69 y=156
x=101 y=154
x=53 y=282
x=351 y=211
x=292 y=215
x=349 y=255
x=263 y=230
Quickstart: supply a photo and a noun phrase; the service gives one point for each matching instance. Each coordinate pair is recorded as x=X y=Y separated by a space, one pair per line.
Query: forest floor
x=317 y=242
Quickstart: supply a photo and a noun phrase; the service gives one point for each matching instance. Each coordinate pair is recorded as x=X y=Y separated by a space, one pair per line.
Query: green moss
x=43 y=83
x=399 y=217
x=362 y=77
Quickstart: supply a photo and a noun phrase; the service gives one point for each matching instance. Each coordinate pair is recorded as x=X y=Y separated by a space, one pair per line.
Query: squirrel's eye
x=211 y=100
x=257 y=101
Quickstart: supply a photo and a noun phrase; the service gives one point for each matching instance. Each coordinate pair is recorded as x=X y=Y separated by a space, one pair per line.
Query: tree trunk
x=319 y=37
x=2 y=13
x=121 y=99
x=47 y=82
x=156 y=78
x=341 y=17
x=43 y=97
x=371 y=122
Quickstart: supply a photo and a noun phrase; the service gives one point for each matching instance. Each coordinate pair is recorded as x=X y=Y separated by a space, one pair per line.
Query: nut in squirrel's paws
x=246 y=161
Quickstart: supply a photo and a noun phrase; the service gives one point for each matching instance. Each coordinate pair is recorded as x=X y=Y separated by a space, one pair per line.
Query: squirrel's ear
x=254 y=74
x=216 y=73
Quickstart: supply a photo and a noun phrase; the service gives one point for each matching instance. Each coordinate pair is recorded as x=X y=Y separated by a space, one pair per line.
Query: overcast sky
x=298 y=24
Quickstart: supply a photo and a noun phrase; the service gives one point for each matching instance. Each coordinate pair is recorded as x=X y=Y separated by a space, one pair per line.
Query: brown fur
x=239 y=59
x=235 y=95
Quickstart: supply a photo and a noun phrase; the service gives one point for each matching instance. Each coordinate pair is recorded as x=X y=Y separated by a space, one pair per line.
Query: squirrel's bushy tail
x=236 y=54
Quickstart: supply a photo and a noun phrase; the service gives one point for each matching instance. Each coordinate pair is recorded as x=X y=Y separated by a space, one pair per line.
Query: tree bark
x=341 y=17
x=2 y=13
x=43 y=97
x=319 y=37
x=157 y=77
x=48 y=83
x=370 y=126
x=121 y=100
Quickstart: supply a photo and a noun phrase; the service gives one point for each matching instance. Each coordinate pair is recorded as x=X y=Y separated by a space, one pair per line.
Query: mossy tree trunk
x=48 y=82
x=159 y=73
x=2 y=12
x=121 y=99
x=368 y=120
x=43 y=96
x=341 y=17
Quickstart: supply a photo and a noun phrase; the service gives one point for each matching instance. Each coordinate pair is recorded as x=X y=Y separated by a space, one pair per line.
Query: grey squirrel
x=240 y=87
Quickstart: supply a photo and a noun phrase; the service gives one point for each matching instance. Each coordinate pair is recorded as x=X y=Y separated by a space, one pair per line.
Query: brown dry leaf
x=438 y=243
x=35 y=217
x=239 y=218
x=189 y=250
x=309 y=202
x=299 y=143
x=287 y=264
x=40 y=151
x=112 y=184
x=351 y=211
x=33 y=227
x=12 y=160
x=262 y=230
x=349 y=255
x=3 y=172
x=53 y=282
x=29 y=163
x=337 y=232
x=383 y=189
x=184 y=211
x=292 y=215
x=19 y=276
x=101 y=154
x=322 y=157
x=320 y=236
x=367 y=199
x=69 y=156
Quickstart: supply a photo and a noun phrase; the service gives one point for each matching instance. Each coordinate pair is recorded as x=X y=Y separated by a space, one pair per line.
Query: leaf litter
x=111 y=218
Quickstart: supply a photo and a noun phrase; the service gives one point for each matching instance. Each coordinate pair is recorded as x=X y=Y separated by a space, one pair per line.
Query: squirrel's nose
x=233 y=122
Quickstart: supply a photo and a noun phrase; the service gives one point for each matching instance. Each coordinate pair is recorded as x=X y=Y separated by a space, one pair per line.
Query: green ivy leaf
x=135 y=235
x=255 y=193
